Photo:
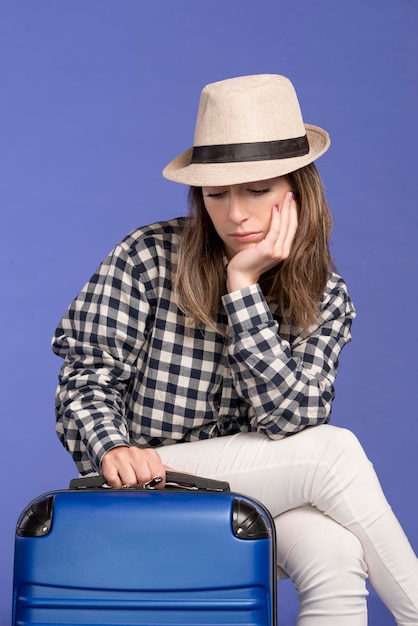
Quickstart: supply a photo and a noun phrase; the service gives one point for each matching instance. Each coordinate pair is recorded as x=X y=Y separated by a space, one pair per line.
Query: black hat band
x=254 y=151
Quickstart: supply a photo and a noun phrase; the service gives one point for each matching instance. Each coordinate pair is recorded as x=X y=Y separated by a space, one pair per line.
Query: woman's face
x=241 y=214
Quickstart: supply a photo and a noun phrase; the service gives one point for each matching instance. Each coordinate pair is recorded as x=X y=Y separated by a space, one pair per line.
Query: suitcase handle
x=185 y=481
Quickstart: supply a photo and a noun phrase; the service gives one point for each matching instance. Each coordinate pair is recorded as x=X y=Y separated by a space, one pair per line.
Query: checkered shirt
x=137 y=372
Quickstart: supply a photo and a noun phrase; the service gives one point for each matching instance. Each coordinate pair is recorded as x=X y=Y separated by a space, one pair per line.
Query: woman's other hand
x=125 y=465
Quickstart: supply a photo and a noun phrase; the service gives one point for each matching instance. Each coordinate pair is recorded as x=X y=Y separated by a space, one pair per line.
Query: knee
x=342 y=437
x=316 y=551
x=342 y=443
x=331 y=559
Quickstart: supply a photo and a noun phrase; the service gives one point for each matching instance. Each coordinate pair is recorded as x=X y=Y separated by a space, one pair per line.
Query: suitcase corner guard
x=248 y=522
x=36 y=519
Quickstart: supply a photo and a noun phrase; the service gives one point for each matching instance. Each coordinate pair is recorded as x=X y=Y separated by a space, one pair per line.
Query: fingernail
x=277 y=208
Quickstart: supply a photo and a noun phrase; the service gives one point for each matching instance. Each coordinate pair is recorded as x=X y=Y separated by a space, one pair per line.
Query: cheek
x=264 y=213
x=210 y=213
x=215 y=217
x=282 y=196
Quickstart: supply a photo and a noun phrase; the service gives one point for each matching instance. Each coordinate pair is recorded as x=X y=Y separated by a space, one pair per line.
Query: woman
x=221 y=334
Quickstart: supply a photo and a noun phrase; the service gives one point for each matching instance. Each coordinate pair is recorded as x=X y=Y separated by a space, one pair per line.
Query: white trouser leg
x=324 y=467
x=326 y=563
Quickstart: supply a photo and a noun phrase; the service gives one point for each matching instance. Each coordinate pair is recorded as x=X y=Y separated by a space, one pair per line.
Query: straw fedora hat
x=248 y=128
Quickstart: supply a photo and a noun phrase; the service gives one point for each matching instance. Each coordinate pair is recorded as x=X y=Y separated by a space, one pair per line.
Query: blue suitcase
x=198 y=555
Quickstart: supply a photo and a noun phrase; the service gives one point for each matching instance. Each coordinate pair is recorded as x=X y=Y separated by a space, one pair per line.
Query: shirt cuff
x=247 y=309
x=101 y=441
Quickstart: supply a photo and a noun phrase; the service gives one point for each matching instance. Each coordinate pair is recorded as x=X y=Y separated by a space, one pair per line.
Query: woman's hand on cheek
x=246 y=267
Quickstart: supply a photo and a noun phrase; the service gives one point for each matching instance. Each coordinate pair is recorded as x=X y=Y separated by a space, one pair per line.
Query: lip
x=245 y=237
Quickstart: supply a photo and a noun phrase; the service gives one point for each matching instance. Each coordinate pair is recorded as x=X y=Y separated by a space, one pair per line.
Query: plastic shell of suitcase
x=200 y=555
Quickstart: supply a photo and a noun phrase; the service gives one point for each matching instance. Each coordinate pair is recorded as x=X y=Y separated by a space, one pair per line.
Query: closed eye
x=259 y=192
x=216 y=196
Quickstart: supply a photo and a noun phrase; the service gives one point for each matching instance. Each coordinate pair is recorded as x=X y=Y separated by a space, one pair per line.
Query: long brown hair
x=296 y=283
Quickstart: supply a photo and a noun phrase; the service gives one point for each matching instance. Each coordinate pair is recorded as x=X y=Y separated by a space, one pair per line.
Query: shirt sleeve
x=99 y=338
x=288 y=379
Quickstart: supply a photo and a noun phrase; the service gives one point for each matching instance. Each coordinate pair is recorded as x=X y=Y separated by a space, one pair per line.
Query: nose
x=237 y=209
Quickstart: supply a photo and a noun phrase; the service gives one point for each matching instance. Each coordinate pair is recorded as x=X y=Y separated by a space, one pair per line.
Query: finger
x=267 y=247
x=275 y=224
x=112 y=478
x=130 y=466
x=288 y=226
x=155 y=466
x=111 y=466
x=127 y=472
x=292 y=227
x=278 y=229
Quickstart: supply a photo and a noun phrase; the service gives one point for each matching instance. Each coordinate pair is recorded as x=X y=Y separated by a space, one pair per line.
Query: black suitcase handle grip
x=186 y=481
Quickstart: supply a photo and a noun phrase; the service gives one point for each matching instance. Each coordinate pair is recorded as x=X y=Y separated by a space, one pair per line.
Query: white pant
x=334 y=525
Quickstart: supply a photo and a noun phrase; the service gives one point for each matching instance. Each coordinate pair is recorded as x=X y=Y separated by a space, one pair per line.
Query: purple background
x=97 y=96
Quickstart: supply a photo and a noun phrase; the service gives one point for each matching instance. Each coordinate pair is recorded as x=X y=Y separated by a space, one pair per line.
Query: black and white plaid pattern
x=137 y=372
